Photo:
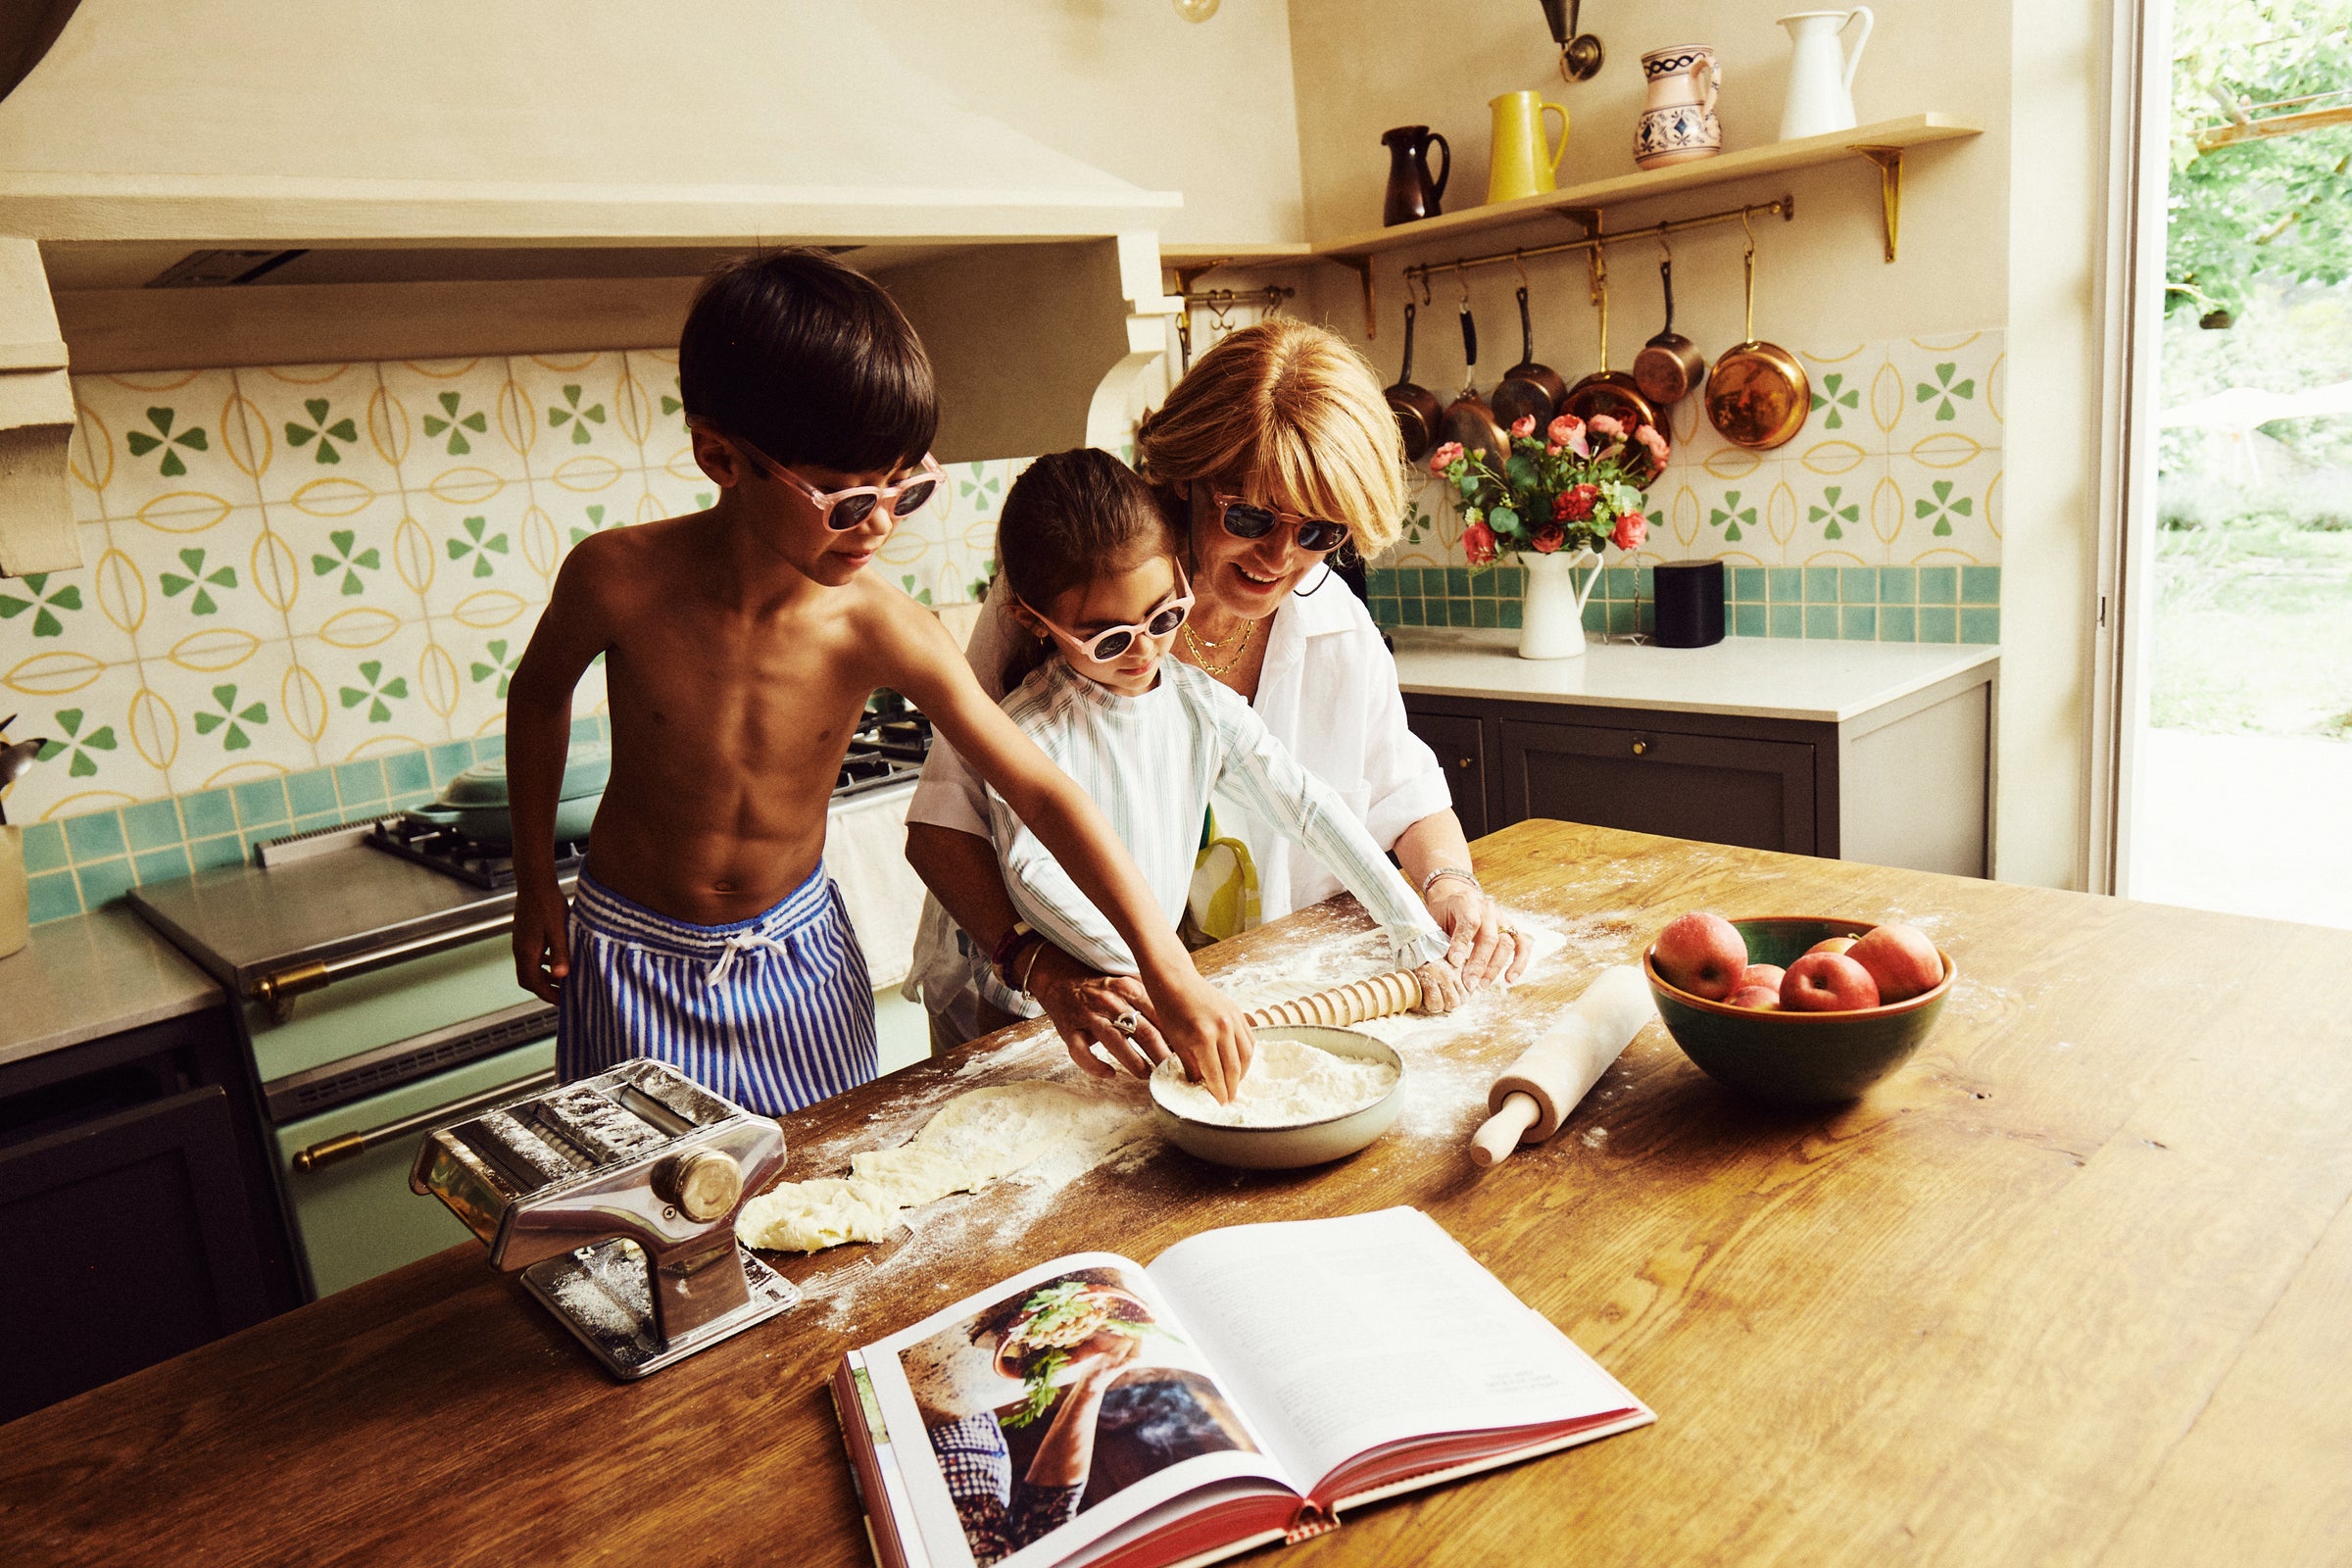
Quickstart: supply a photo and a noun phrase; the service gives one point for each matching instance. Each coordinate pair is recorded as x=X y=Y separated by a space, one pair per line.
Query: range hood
x=390 y=142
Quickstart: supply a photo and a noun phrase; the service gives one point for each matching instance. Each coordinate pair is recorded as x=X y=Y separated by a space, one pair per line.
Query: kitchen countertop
x=1760 y=678
x=2068 y=1287
x=93 y=976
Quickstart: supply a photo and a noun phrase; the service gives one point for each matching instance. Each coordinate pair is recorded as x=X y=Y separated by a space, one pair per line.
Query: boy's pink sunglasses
x=1102 y=647
x=854 y=504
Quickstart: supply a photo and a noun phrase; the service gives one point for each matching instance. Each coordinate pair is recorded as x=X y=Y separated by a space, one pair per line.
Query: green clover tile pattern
x=345 y=561
x=1943 y=508
x=325 y=430
x=44 y=604
x=1829 y=513
x=501 y=665
x=231 y=719
x=77 y=746
x=375 y=692
x=1943 y=390
x=1834 y=400
x=173 y=584
x=164 y=439
x=455 y=423
x=570 y=412
x=1730 y=515
x=471 y=543
x=595 y=523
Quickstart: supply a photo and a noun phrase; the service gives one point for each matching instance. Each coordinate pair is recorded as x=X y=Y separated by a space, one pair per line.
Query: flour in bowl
x=1289 y=1084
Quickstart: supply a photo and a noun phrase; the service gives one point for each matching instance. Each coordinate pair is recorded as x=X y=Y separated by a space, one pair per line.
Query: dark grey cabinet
x=129 y=1210
x=1722 y=789
x=1906 y=783
x=1460 y=743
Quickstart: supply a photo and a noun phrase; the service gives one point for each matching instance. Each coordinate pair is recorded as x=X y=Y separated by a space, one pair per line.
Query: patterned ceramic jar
x=1678 y=125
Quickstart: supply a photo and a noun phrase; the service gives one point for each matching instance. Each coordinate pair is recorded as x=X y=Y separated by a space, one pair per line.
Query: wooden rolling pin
x=1398 y=991
x=1531 y=1100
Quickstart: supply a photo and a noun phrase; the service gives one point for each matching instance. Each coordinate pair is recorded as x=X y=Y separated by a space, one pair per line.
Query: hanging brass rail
x=1422 y=272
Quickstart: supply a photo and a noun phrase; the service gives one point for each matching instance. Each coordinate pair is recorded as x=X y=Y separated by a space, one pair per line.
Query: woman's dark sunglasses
x=1246 y=520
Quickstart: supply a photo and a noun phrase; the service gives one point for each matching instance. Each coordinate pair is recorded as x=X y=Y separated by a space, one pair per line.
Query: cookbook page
x=1041 y=1415
x=1339 y=1335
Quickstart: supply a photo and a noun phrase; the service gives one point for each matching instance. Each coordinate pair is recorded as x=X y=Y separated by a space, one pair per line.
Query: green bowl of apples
x=1818 y=1033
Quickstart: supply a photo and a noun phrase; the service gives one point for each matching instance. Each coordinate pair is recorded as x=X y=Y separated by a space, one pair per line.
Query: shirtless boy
x=740 y=646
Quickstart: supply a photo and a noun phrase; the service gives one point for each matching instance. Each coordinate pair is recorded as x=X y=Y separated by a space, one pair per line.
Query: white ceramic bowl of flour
x=1313 y=1094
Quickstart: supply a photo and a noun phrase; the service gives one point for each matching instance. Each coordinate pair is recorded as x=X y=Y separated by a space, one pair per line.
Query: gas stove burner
x=883 y=749
x=477 y=862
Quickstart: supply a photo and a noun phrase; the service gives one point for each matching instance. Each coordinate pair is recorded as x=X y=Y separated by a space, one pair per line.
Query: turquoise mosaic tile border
x=1846 y=604
x=78 y=863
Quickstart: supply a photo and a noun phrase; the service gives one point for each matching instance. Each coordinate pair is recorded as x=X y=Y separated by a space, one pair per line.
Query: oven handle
x=310 y=1161
x=278 y=990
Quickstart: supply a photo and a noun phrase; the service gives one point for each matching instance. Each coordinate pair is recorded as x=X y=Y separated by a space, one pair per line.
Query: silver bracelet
x=1462 y=872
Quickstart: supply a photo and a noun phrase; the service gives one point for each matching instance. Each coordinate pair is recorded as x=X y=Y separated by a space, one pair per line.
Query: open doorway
x=2241 y=787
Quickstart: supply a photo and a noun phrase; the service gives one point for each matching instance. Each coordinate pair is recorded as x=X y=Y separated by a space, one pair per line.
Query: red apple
x=1832 y=945
x=1900 y=959
x=1828 y=982
x=1701 y=954
x=1763 y=998
x=1767 y=975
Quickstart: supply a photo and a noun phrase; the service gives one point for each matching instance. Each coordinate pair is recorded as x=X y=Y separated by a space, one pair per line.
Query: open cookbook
x=1248 y=1387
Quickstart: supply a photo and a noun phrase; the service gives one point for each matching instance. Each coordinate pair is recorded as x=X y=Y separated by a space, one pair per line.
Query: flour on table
x=1289 y=1084
x=973 y=1140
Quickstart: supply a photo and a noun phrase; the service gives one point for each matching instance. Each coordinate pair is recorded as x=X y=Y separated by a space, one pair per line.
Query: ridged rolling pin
x=1398 y=991
x=1531 y=1100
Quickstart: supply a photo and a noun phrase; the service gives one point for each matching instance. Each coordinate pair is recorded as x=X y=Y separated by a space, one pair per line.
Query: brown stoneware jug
x=1413 y=193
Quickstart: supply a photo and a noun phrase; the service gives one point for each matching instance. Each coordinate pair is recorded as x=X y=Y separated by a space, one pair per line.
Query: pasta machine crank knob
x=704 y=1185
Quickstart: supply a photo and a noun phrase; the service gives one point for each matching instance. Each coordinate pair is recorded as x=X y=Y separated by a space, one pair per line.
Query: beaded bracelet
x=1464 y=872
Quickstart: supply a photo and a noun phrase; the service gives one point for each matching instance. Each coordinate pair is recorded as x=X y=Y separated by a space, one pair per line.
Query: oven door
x=345 y=1171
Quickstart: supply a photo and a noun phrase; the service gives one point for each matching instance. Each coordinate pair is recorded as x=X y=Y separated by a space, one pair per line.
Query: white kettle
x=1820 y=76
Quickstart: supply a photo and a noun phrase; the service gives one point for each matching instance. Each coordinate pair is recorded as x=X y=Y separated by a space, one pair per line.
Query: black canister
x=1689 y=603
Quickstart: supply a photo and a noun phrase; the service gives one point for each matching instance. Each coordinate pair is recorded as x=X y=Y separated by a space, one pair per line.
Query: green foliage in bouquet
x=1577 y=486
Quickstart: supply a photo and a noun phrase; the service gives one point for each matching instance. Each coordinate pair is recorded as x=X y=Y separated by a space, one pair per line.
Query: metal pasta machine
x=616 y=1197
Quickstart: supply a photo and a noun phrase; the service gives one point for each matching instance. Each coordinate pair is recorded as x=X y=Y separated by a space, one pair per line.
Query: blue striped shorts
x=773 y=1012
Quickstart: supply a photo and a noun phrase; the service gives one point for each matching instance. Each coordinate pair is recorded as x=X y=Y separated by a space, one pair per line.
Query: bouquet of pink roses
x=1577 y=486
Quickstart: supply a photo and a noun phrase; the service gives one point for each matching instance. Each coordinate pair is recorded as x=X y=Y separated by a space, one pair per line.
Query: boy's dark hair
x=810 y=361
x=1069 y=514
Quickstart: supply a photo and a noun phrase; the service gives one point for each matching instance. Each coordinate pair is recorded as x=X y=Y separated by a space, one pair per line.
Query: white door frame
x=2130 y=307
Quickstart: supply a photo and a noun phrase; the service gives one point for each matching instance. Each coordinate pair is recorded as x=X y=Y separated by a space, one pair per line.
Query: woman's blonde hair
x=1292 y=409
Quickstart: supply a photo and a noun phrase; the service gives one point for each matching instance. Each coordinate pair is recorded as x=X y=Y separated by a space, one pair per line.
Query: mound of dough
x=1289 y=1084
x=973 y=1139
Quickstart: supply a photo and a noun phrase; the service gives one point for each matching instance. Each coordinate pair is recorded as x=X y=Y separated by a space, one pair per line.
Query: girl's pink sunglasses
x=1108 y=644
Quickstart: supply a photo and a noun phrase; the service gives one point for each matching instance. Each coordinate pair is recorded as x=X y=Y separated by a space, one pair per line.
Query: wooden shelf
x=1912 y=130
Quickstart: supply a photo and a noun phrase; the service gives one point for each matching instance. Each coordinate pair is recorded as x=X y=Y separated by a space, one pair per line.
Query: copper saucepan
x=1415 y=406
x=1757 y=395
x=1606 y=391
x=1467 y=419
x=1669 y=365
x=1527 y=390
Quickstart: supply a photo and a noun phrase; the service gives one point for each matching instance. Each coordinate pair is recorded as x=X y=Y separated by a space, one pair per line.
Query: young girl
x=1089 y=558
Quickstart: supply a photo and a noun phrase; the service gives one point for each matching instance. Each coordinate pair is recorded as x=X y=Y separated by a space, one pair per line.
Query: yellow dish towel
x=1223 y=900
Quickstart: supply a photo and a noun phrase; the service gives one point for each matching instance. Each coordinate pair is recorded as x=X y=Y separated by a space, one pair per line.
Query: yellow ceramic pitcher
x=1524 y=163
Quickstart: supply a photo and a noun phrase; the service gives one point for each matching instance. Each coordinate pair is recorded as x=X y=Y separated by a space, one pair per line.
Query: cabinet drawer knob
x=1640 y=747
x=1462 y=762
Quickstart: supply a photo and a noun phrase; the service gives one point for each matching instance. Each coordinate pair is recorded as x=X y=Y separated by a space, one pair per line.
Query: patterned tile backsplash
x=307 y=586
x=1881 y=520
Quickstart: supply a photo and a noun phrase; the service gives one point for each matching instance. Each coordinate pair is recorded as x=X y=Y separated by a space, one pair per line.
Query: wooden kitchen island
x=2074 y=1286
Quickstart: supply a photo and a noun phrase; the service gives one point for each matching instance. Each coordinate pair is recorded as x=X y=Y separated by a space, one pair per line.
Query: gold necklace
x=1199 y=644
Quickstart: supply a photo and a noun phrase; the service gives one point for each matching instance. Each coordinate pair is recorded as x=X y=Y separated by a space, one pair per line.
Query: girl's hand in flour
x=1085 y=1007
x=1442 y=989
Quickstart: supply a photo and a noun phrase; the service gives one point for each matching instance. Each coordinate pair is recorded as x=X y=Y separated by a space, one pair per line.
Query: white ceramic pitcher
x=1821 y=74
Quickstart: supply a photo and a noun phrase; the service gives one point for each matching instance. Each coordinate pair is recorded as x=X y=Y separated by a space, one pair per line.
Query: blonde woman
x=1275 y=455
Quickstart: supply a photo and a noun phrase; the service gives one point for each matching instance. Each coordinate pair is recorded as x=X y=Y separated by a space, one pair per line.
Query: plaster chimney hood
x=434 y=129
